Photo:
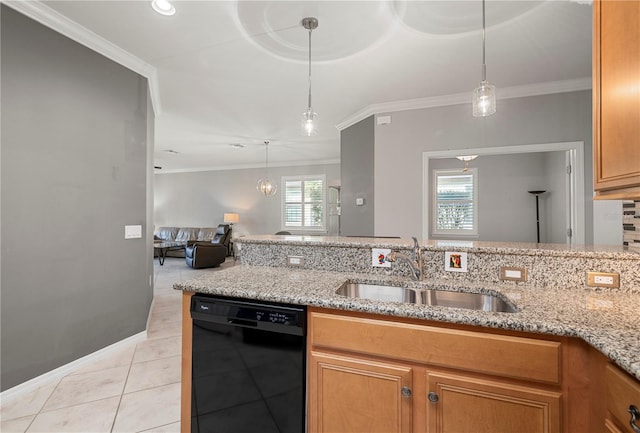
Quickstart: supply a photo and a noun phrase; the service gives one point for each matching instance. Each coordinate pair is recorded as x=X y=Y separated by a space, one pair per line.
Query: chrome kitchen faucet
x=414 y=262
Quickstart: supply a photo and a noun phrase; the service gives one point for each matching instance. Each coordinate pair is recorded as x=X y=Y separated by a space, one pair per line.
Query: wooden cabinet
x=616 y=99
x=459 y=380
x=622 y=394
x=463 y=404
x=355 y=395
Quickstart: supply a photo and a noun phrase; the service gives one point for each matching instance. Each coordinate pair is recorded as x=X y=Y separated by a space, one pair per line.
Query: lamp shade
x=231 y=218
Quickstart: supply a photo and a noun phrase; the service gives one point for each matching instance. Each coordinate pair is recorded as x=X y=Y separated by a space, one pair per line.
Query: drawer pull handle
x=406 y=391
x=635 y=416
x=433 y=397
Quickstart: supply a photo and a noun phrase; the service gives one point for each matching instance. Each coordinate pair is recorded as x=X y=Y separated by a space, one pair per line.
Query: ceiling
x=236 y=72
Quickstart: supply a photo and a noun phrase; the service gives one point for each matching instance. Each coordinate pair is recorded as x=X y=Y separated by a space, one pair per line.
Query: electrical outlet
x=379 y=257
x=295 y=261
x=455 y=262
x=603 y=279
x=512 y=273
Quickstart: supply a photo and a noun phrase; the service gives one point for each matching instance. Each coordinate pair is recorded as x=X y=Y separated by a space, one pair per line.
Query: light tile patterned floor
x=136 y=389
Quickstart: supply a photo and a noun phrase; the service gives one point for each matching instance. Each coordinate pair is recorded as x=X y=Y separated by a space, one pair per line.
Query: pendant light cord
x=310 y=30
x=266 y=149
x=484 y=65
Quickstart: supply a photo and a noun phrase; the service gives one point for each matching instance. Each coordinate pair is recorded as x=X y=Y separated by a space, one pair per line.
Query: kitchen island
x=591 y=326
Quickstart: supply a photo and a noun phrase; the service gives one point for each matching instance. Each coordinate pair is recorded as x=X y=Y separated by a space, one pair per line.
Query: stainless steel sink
x=442 y=298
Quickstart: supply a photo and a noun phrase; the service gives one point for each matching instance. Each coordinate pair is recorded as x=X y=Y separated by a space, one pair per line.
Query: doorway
x=572 y=174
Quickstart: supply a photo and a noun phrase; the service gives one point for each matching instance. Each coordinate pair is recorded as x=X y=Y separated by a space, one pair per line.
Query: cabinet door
x=463 y=404
x=622 y=393
x=349 y=395
x=616 y=97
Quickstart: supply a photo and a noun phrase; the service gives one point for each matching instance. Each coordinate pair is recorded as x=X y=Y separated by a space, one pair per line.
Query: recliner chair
x=202 y=254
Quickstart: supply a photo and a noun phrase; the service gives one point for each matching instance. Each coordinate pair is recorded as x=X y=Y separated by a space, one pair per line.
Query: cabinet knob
x=635 y=416
x=406 y=391
x=433 y=397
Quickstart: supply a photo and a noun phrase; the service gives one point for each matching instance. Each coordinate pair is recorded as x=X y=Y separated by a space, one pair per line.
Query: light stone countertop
x=608 y=320
x=520 y=248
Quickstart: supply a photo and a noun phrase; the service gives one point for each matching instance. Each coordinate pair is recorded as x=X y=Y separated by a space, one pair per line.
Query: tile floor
x=136 y=389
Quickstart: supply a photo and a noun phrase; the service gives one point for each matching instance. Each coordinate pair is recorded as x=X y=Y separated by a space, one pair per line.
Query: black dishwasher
x=248 y=366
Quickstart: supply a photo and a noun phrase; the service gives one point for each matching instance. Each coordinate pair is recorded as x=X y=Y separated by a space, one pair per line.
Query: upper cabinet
x=616 y=99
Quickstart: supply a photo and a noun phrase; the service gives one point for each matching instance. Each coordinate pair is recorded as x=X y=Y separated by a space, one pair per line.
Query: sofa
x=188 y=235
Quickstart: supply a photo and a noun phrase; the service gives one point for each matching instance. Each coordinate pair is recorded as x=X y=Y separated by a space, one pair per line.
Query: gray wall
x=532 y=120
x=357 y=173
x=506 y=211
x=200 y=199
x=74 y=172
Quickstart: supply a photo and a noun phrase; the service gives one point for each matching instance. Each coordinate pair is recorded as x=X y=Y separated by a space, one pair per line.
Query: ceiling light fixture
x=484 y=97
x=309 y=124
x=265 y=186
x=163 y=7
x=466 y=159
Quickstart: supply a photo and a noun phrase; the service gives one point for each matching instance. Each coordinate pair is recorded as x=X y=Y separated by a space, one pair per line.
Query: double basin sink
x=432 y=297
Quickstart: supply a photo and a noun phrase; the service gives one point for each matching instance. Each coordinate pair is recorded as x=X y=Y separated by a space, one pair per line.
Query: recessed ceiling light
x=163 y=7
x=237 y=145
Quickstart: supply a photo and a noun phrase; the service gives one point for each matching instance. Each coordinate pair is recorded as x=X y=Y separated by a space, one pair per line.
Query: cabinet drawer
x=622 y=392
x=516 y=357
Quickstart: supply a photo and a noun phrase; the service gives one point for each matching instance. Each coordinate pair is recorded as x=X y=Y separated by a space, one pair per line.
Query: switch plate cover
x=379 y=257
x=295 y=261
x=133 y=232
x=455 y=261
x=603 y=279
x=512 y=273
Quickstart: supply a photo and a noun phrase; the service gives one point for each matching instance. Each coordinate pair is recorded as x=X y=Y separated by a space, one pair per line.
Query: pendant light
x=309 y=121
x=265 y=186
x=484 y=97
x=466 y=159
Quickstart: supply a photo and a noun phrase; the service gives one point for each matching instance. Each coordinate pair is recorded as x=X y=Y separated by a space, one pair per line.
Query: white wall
x=200 y=199
x=503 y=185
x=399 y=146
x=609 y=230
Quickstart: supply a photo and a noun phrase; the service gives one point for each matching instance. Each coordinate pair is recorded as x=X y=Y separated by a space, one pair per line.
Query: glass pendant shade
x=309 y=123
x=266 y=187
x=484 y=100
x=466 y=159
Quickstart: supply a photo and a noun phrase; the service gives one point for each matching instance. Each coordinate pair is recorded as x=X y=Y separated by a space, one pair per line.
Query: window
x=455 y=210
x=304 y=202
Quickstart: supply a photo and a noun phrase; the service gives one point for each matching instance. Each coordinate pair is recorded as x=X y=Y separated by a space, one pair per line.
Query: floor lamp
x=537 y=194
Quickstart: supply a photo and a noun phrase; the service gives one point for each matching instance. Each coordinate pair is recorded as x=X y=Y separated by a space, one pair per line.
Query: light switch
x=359 y=201
x=133 y=232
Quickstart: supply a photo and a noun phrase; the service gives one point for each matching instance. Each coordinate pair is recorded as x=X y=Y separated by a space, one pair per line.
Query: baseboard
x=60 y=372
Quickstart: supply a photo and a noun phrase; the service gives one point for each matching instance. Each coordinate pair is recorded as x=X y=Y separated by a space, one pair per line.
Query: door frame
x=574 y=151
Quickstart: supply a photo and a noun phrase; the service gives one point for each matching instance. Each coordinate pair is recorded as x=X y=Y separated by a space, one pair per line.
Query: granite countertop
x=607 y=320
x=522 y=248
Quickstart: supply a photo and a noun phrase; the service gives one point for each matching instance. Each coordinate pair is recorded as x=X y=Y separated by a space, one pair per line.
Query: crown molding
x=38 y=11
x=534 y=89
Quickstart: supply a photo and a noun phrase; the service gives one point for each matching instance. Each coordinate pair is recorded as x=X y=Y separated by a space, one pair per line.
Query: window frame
x=283 y=203
x=457 y=233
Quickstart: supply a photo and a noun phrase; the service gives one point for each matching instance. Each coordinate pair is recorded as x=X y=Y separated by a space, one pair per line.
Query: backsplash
x=546 y=265
x=631 y=224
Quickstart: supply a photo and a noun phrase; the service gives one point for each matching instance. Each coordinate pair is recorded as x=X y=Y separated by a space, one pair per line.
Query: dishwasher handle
x=241 y=322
